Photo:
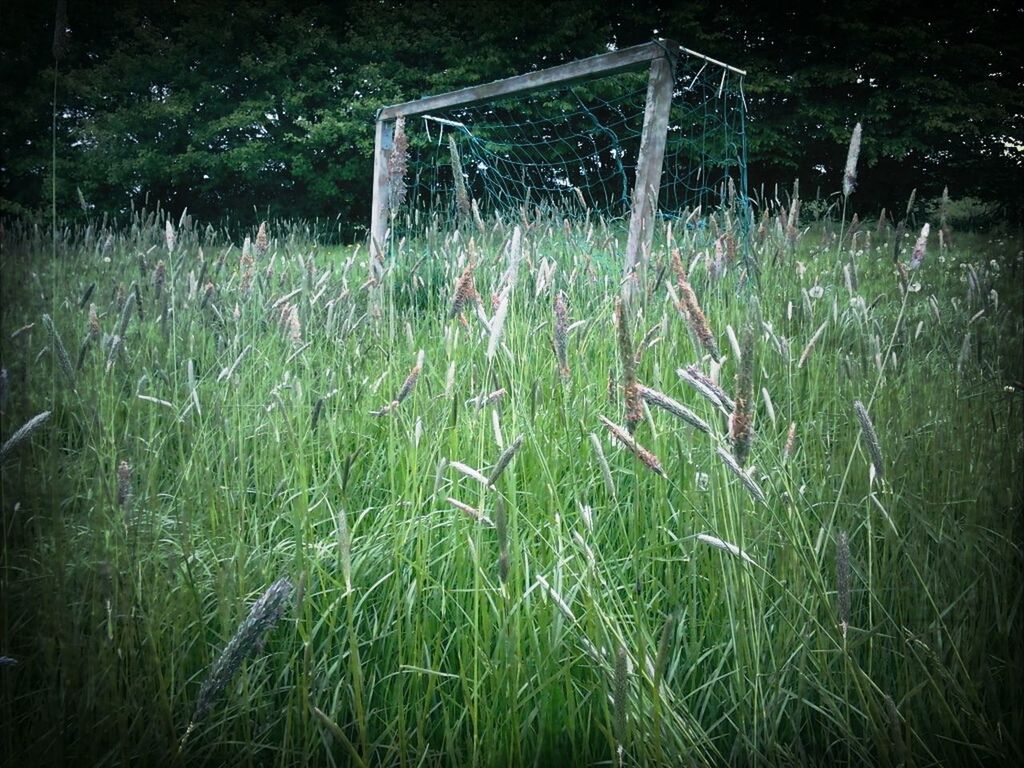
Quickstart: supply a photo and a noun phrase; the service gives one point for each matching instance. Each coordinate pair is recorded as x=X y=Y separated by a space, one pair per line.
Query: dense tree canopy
x=240 y=109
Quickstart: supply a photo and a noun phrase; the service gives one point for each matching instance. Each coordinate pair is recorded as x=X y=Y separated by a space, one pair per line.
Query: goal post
x=659 y=57
x=650 y=162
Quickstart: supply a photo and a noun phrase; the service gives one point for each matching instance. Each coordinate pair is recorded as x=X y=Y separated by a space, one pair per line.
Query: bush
x=964 y=213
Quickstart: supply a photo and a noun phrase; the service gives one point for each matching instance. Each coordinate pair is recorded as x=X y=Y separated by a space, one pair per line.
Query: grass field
x=211 y=430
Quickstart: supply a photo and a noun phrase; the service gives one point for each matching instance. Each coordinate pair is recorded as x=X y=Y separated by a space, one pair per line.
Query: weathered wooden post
x=383 y=144
x=660 y=84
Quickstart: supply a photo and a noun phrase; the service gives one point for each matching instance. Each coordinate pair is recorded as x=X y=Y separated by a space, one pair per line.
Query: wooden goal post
x=658 y=55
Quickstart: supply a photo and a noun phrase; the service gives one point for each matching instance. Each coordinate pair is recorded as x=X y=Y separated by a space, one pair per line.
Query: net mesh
x=572 y=151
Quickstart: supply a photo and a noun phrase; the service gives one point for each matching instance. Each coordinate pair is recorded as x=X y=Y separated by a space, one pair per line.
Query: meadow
x=474 y=513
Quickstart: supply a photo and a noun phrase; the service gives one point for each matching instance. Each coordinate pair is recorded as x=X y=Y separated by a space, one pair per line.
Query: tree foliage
x=263 y=108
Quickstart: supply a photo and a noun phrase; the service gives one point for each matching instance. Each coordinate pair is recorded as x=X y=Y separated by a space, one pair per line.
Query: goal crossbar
x=577 y=71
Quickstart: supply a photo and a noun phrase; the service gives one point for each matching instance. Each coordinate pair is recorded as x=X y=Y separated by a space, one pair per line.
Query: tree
x=244 y=110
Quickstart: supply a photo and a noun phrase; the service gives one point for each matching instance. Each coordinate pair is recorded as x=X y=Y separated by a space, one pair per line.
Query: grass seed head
x=664 y=648
x=806 y=354
x=787 y=449
x=917 y=256
x=247 y=641
x=465 y=291
x=690 y=308
x=707 y=387
x=461 y=194
x=63 y=360
x=411 y=379
x=751 y=485
x=318 y=408
x=677 y=409
x=23 y=434
x=506 y=457
x=262 y=240
x=867 y=429
x=159 y=277
x=125 y=494
x=646 y=457
x=247 y=268
x=170 y=239
x=126 y=311
x=850 y=174
x=398 y=162
x=294 y=326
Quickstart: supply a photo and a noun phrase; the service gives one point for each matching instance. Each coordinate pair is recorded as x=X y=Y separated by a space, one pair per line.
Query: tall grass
x=236 y=402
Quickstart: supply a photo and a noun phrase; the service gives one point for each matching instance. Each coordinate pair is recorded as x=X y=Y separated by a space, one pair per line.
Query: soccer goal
x=653 y=131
